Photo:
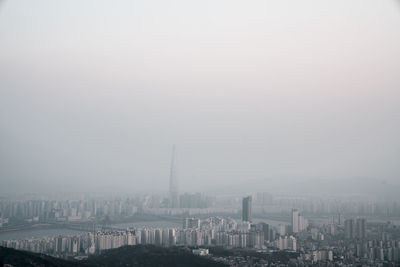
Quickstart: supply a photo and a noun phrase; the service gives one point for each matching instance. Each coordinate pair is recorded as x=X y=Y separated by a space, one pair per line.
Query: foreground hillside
x=124 y=256
x=149 y=256
x=24 y=258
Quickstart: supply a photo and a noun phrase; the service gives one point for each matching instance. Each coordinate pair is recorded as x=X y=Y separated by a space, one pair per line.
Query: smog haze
x=93 y=94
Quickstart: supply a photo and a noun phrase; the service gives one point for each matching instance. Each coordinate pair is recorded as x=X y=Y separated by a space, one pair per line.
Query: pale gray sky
x=94 y=93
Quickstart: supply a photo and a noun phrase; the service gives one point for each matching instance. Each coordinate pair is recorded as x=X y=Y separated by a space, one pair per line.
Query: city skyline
x=322 y=241
x=200 y=133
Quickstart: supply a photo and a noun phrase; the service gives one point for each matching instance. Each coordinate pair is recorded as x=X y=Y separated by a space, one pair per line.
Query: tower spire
x=173 y=182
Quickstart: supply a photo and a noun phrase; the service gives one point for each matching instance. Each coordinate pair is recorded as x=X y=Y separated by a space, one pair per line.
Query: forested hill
x=9 y=256
x=125 y=256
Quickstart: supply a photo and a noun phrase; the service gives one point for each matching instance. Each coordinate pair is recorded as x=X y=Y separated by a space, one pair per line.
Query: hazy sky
x=94 y=93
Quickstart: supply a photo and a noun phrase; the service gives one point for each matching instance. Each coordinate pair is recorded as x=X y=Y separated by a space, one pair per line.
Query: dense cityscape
x=341 y=237
x=199 y=133
x=309 y=230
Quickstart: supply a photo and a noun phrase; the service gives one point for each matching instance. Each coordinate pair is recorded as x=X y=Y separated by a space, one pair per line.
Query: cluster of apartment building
x=212 y=231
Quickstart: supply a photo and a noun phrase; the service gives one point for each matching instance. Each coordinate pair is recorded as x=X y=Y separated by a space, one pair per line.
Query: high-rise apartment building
x=361 y=231
x=349 y=229
x=295 y=220
x=191 y=223
x=298 y=222
x=246 y=209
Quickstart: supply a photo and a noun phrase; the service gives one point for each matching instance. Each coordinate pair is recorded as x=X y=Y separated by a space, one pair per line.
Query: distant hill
x=352 y=186
x=140 y=255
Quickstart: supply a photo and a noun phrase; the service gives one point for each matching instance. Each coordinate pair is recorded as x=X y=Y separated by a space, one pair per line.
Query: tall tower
x=173 y=183
x=246 y=209
x=349 y=229
x=361 y=233
x=295 y=221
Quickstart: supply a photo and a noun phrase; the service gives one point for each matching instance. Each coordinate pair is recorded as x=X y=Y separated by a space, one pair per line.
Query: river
x=36 y=233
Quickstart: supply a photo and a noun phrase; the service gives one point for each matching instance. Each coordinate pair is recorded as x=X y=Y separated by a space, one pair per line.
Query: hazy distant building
x=246 y=209
x=282 y=229
x=295 y=220
x=263 y=198
x=189 y=200
x=298 y=222
x=349 y=229
x=264 y=227
x=191 y=223
x=340 y=219
x=286 y=242
x=361 y=231
x=355 y=228
x=173 y=183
